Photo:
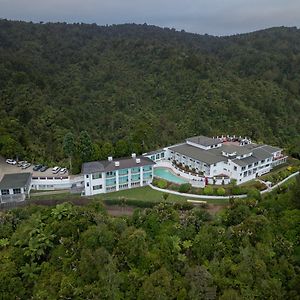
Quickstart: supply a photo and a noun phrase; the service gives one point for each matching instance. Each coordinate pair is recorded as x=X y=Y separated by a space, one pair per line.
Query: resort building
x=15 y=187
x=222 y=157
x=114 y=175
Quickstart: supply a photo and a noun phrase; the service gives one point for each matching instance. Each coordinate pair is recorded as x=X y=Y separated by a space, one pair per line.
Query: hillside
x=144 y=85
x=250 y=251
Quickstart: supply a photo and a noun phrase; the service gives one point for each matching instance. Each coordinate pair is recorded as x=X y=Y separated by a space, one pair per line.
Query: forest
x=171 y=251
x=133 y=88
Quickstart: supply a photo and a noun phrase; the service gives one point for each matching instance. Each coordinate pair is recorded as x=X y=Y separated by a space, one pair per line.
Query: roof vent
x=133 y=155
x=138 y=160
x=117 y=163
x=110 y=158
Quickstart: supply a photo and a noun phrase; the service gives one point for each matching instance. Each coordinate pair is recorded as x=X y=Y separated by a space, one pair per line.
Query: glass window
x=17 y=191
x=4 y=192
x=97 y=176
x=87 y=184
x=87 y=176
x=97 y=187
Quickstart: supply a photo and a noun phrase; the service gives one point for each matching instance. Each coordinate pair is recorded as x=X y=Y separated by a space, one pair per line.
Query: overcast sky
x=217 y=17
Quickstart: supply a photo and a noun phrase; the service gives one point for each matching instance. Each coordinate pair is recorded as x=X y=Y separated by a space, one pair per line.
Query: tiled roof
x=206 y=156
x=204 y=140
x=108 y=166
x=12 y=181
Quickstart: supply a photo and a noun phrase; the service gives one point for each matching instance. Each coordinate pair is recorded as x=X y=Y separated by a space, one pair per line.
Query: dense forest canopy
x=250 y=251
x=138 y=87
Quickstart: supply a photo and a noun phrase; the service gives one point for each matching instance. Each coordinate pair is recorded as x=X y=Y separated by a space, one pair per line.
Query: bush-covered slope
x=250 y=251
x=143 y=84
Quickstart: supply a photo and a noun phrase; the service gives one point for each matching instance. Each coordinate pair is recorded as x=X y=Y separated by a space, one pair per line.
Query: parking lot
x=8 y=169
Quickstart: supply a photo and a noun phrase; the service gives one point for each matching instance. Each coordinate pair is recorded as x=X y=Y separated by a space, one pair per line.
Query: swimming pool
x=168 y=175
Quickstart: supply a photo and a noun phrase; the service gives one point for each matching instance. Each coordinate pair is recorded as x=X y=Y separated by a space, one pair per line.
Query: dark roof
x=258 y=155
x=270 y=149
x=239 y=150
x=108 y=166
x=12 y=181
x=206 y=156
x=245 y=161
x=92 y=167
x=204 y=140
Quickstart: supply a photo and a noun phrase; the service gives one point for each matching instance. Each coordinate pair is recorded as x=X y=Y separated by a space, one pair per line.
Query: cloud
x=217 y=17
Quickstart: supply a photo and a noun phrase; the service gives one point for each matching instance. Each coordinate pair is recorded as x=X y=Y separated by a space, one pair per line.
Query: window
x=235 y=168
x=157 y=156
x=262 y=161
x=243 y=168
x=17 y=191
x=110 y=174
x=4 y=192
x=162 y=155
x=97 y=187
x=245 y=174
x=87 y=176
x=215 y=165
x=97 y=176
x=249 y=166
x=123 y=172
x=87 y=184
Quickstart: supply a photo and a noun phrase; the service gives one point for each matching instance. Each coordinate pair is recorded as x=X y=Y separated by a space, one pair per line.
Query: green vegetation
x=170 y=251
x=136 y=87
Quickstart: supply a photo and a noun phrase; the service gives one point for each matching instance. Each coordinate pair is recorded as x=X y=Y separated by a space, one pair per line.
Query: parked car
x=37 y=167
x=43 y=168
x=25 y=166
x=11 y=161
x=63 y=171
x=55 y=170
x=21 y=163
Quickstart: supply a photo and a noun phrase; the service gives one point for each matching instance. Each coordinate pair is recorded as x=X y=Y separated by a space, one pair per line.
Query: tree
x=107 y=150
x=69 y=147
x=85 y=146
x=121 y=148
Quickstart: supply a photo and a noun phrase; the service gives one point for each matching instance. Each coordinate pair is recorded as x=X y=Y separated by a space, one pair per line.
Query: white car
x=22 y=162
x=25 y=166
x=11 y=161
x=55 y=170
x=63 y=171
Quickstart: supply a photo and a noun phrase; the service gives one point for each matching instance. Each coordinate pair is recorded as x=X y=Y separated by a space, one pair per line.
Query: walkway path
x=268 y=190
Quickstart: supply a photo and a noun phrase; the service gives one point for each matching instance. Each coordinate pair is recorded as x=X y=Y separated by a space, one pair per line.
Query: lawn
x=142 y=193
x=148 y=194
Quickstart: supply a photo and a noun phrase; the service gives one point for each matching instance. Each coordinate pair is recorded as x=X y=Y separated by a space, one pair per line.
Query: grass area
x=141 y=194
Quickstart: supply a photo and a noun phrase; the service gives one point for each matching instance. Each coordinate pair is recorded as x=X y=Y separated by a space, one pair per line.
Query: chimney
x=138 y=160
x=117 y=164
x=110 y=158
x=133 y=155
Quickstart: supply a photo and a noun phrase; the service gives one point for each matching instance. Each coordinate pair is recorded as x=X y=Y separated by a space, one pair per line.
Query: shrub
x=254 y=194
x=236 y=190
x=208 y=190
x=161 y=183
x=185 y=187
x=165 y=196
x=221 y=191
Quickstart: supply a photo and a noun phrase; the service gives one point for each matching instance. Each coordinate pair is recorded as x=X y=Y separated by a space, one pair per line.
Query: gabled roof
x=270 y=149
x=206 y=156
x=204 y=140
x=258 y=155
x=13 y=181
x=108 y=166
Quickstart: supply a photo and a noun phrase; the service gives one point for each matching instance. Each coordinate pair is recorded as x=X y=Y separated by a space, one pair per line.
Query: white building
x=114 y=175
x=15 y=187
x=236 y=158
